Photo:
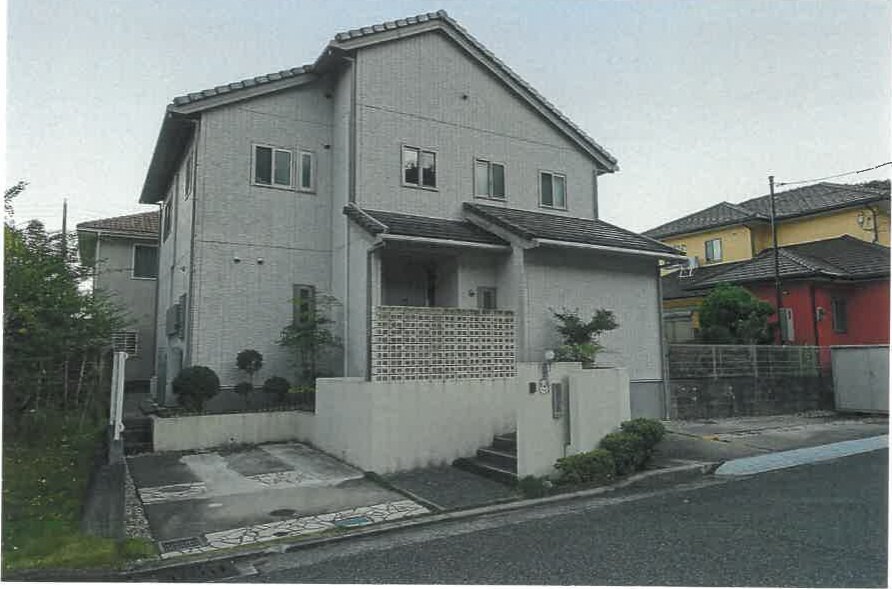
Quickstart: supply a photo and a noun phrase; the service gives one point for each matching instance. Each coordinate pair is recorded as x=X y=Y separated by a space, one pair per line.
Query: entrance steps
x=497 y=462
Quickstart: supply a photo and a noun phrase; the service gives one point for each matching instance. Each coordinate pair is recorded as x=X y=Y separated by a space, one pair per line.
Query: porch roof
x=400 y=224
x=568 y=230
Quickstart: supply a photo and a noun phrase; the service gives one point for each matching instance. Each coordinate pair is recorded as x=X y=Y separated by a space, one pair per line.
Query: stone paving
x=207 y=500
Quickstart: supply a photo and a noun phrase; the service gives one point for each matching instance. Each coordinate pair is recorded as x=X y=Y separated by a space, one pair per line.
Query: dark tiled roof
x=797 y=202
x=385 y=222
x=723 y=213
x=142 y=224
x=676 y=286
x=533 y=225
x=242 y=85
x=844 y=258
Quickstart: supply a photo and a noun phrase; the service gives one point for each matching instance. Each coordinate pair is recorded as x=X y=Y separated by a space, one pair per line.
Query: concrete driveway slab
x=204 y=501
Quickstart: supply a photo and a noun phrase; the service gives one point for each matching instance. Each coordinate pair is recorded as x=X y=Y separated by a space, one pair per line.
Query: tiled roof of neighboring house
x=723 y=213
x=845 y=258
x=385 y=222
x=139 y=224
x=678 y=286
x=807 y=200
x=535 y=225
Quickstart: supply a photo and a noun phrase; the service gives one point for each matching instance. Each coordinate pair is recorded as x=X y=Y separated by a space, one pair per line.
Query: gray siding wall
x=136 y=296
x=590 y=281
x=410 y=92
x=281 y=237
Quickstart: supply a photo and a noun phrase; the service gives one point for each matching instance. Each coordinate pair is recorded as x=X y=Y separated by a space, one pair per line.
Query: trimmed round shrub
x=650 y=430
x=278 y=386
x=595 y=466
x=249 y=361
x=194 y=385
x=629 y=451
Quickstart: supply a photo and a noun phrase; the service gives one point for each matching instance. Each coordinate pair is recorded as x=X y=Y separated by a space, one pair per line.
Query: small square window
x=486 y=297
x=489 y=179
x=272 y=167
x=419 y=167
x=714 y=250
x=553 y=190
x=145 y=261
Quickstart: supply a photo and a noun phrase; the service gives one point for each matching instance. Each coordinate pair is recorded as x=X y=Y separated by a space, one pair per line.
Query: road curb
x=800 y=456
x=672 y=474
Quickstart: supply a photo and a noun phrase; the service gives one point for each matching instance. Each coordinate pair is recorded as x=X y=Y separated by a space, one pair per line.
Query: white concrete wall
x=598 y=401
x=211 y=431
x=861 y=378
x=411 y=92
x=394 y=426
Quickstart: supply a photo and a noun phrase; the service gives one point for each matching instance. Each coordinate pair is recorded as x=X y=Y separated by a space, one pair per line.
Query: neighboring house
x=123 y=253
x=406 y=169
x=725 y=235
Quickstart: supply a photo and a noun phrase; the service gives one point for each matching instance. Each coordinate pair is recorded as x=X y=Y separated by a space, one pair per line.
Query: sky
x=699 y=101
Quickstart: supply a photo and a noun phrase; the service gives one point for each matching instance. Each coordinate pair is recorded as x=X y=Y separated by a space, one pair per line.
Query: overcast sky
x=699 y=101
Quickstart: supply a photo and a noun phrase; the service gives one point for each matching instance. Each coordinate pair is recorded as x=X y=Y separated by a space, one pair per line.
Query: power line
x=833 y=176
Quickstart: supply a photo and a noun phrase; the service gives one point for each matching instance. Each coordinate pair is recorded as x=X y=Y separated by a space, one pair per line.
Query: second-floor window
x=419 y=167
x=272 y=166
x=145 y=261
x=714 y=250
x=489 y=179
x=553 y=190
x=167 y=216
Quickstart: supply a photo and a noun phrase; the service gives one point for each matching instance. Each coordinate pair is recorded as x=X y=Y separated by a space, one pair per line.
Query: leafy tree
x=732 y=315
x=581 y=338
x=308 y=338
x=48 y=319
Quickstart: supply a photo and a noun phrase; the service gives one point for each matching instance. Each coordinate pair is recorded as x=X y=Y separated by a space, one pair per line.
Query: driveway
x=202 y=501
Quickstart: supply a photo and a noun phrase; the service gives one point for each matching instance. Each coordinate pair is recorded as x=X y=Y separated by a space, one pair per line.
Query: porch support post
x=374 y=285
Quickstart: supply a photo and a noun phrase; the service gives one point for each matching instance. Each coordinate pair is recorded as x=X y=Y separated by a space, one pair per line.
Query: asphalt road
x=818 y=525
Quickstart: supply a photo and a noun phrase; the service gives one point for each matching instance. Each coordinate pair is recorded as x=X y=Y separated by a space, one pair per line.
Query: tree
x=47 y=320
x=308 y=339
x=732 y=315
x=581 y=338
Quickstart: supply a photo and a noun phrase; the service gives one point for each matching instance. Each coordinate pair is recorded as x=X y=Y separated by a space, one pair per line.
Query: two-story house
x=123 y=253
x=833 y=261
x=406 y=168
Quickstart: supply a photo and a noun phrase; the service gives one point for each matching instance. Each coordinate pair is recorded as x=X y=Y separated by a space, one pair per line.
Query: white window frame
x=133 y=275
x=126 y=341
x=167 y=216
x=481 y=293
x=706 y=243
x=539 y=188
x=300 y=170
x=835 y=315
x=489 y=189
x=419 y=151
x=272 y=183
x=189 y=175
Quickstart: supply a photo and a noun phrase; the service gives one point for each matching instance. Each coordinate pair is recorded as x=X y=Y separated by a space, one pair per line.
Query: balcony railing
x=442 y=343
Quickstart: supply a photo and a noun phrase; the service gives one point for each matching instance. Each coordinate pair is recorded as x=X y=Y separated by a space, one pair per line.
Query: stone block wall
x=438 y=343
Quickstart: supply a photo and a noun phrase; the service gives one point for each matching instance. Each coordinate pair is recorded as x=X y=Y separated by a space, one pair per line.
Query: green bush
x=304 y=395
x=244 y=389
x=594 y=466
x=629 y=450
x=532 y=486
x=278 y=386
x=195 y=385
x=651 y=430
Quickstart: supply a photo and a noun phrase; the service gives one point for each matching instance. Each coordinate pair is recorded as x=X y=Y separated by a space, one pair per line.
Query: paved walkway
x=203 y=501
x=448 y=488
x=790 y=458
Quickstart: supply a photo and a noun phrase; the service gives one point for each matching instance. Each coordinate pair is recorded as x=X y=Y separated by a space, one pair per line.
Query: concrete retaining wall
x=393 y=426
x=705 y=398
x=210 y=431
x=861 y=378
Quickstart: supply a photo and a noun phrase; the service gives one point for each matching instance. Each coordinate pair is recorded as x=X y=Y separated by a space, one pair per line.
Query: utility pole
x=777 y=281
x=65 y=229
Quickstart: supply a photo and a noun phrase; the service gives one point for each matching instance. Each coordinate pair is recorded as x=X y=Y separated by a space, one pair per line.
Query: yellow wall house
x=719 y=236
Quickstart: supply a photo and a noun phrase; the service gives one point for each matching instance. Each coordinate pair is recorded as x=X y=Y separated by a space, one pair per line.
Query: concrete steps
x=497 y=462
x=137 y=435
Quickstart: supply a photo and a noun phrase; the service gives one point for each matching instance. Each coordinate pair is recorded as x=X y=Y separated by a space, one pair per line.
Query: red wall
x=867 y=307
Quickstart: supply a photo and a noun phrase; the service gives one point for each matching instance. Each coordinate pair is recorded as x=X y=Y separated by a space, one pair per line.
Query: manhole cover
x=181 y=544
x=349 y=522
x=282 y=512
